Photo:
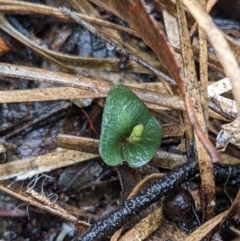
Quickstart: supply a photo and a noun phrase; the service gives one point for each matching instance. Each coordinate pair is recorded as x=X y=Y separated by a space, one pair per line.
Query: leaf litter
x=24 y=61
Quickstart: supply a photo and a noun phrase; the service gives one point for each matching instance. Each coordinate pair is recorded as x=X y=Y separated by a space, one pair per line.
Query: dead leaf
x=225 y=106
x=230 y=133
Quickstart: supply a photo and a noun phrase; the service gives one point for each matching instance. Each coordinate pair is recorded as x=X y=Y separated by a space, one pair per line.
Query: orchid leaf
x=129 y=132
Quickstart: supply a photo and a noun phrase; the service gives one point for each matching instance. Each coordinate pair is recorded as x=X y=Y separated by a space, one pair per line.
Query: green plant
x=129 y=131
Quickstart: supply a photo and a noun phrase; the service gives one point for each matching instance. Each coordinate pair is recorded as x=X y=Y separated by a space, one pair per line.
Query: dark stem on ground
x=111 y=223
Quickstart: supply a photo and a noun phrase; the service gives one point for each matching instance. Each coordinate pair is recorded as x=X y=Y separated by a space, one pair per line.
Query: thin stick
x=161 y=159
x=78 y=81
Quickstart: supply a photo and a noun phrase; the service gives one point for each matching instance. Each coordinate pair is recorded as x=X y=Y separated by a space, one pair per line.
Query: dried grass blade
x=22 y=169
x=46 y=94
x=203 y=62
x=205 y=164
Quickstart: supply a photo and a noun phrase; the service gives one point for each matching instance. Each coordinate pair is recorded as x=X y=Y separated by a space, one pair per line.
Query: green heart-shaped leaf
x=129 y=131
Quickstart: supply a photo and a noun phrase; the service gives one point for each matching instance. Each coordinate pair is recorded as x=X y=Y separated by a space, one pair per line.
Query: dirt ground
x=89 y=190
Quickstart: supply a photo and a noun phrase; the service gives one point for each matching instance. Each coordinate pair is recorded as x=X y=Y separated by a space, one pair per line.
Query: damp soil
x=89 y=190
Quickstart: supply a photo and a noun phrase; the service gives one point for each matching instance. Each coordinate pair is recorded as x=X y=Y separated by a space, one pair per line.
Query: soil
x=88 y=190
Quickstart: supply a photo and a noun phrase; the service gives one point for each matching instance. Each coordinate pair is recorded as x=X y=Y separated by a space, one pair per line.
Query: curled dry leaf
x=230 y=133
x=225 y=106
